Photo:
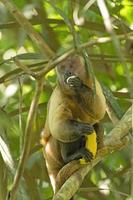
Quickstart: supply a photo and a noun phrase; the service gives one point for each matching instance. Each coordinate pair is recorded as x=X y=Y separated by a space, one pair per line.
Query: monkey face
x=71 y=72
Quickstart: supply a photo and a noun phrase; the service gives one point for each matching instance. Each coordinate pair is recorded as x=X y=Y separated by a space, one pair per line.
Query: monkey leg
x=53 y=159
x=75 y=150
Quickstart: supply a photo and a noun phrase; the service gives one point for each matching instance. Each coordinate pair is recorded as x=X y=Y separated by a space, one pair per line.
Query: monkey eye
x=69 y=73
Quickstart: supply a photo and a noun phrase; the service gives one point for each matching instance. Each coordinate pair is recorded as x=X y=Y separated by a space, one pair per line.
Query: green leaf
x=61 y=13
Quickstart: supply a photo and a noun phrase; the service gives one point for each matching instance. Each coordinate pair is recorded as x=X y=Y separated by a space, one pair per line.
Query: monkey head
x=72 y=72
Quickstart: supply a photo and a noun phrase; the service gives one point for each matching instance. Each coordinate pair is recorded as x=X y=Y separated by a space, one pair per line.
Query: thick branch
x=121 y=129
x=114 y=141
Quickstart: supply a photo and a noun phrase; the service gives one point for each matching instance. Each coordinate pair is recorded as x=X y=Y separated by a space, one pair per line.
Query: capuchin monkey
x=72 y=130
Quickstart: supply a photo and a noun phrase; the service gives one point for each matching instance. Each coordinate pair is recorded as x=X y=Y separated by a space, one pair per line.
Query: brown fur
x=64 y=105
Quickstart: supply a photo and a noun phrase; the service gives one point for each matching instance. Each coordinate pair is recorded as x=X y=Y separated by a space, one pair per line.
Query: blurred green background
x=53 y=19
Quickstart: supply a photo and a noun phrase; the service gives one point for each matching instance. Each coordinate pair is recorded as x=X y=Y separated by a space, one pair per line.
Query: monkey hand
x=74 y=81
x=87 y=156
x=91 y=146
x=82 y=128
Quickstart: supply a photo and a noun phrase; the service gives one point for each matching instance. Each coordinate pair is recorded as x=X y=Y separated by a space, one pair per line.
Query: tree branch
x=87 y=24
x=45 y=49
x=24 y=67
x=91 y=43
x=114 y=141
x=27 y=140
x=109 y=27
x=59 y=59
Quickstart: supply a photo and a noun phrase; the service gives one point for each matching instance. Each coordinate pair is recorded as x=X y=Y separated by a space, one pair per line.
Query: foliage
x=63 y=25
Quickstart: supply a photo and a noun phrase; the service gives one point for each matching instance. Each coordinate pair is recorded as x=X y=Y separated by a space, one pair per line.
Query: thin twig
x=86 y=25
x=20 y=112
x=109 y=27
x=94 y=189
x=59 y=59
x=25 y=109
x=23 y=67
x=132 y=155
x=27 y=139
x=80 y=47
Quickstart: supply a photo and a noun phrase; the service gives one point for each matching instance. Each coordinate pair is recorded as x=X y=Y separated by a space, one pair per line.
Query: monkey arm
x=84 y=95
x=64 y=128
x=75 y=83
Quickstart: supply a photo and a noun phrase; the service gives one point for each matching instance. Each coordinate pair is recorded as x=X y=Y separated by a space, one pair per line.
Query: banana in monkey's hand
x=90 y=145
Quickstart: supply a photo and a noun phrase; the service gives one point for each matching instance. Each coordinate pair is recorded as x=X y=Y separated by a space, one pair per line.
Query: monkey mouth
x=69 y=80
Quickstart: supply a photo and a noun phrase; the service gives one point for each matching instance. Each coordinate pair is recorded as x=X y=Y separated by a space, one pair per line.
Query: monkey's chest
x=84 y=115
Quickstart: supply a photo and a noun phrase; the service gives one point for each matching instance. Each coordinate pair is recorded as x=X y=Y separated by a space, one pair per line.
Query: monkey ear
x=42 y=140
x=44 y=137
